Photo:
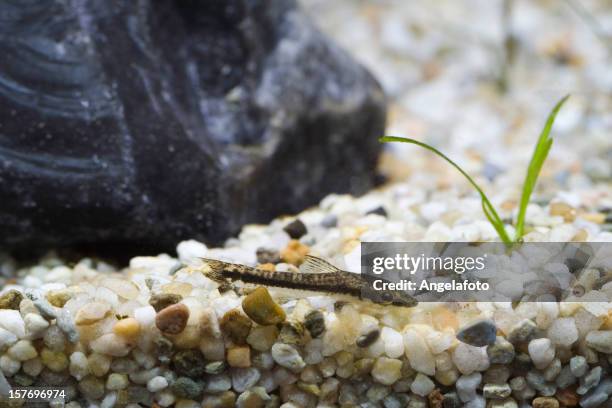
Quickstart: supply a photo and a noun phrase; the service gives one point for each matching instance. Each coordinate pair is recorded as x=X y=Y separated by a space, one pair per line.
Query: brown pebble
x=545 y=402
x=294 y=252
x=11 y=300
x=568 y=397
x=172 y=319
x=161 y=301
x=236 y=326
x=262 y=309
x=267 y=267
x=436 y=399
x=239 y=357
x=564 y=210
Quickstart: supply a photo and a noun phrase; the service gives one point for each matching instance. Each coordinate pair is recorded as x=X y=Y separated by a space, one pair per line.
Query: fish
x=317 y=275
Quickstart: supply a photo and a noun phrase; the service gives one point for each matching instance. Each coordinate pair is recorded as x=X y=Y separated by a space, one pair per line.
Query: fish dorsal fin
x=312 y=264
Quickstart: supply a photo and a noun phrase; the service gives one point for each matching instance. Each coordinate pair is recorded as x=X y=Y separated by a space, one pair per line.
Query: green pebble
x=185 y=387
x=92 y=387
x=23 y=380
x=189 y=363
x=216 y=367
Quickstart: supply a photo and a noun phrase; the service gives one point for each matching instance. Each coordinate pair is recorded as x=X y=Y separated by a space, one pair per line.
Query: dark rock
x=187 y=388
x=451 y=400
x=143 y=123
x=314 y=322
x=296 y=229
x=379 y=211
x=480 y=333
x=265 y=256
x=366 y=340
x=189 y=363
x=160 y=301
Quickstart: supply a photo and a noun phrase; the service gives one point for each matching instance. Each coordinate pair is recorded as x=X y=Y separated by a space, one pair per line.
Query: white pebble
x=11 y=320
x=112 y=345
x=22 y=351
x=469 y=358
x=466 y=386
x=109 y=400
x=394 y=343
x=6 y=338
x=287 y=356
x=542 y=352
x=157 y=384
x=547 y=313
x=165 y=398
x=35 y=324
x=9 y=366
x=600 y=340
x=418 y=353
x=439 y=341
x=78 y=365
x=145 y=316
x=190 y=251
x=387 y=370
x=422 y=385
x=563 y=332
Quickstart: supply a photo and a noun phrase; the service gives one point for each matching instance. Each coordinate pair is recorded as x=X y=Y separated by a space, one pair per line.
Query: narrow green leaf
x=540 y=153
x=487 y=207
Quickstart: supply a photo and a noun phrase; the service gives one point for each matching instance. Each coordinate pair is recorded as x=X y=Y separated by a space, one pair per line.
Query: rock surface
x=158 y=121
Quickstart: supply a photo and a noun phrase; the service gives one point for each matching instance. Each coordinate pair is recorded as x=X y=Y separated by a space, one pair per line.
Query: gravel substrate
x=158 y=333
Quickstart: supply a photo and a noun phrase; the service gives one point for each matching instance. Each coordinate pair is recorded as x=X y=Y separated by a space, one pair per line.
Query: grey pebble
x=578 y=366
x=598 y=395
x=244 y=378
x=5 y=387
x=215 y=367
x=477 y=402
x=589 y=381
x=396 y=400
x=478 y=334
x=329 y=221
x=523 y=331
x=537 y=381
x=54 y=338
x=565 y=377
x=45 y=308
x=500 y=352
x=466 y=386
x=66 y=324
x=552 y=371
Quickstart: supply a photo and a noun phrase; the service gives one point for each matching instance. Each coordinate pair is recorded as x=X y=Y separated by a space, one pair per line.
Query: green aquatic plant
x=540 y=154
